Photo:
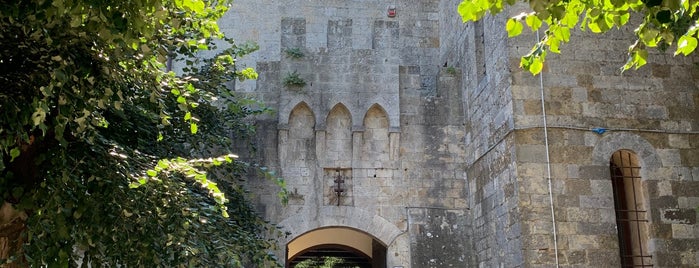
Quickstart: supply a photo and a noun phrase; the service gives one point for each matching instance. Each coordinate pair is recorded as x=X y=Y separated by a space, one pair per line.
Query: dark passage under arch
x=350 y=257
x=354 y=248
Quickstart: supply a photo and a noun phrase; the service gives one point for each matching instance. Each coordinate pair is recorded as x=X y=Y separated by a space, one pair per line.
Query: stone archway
x=340 y=220
x=611 y=143
x=354 y=248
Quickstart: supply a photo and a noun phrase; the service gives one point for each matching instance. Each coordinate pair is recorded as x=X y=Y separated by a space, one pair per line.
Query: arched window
x=631 y=214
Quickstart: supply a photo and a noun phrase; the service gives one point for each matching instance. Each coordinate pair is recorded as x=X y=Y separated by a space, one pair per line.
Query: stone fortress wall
x=440 y=137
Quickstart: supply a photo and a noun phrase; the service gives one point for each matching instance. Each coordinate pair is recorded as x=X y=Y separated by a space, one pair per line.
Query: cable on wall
x=548 y=161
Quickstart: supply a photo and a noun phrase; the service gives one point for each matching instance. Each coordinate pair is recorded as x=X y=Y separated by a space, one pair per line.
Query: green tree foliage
x=323 y=262
x=664 y=24
x=107 y=152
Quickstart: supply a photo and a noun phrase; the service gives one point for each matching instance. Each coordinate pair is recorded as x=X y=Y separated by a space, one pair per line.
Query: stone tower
x=409 y=139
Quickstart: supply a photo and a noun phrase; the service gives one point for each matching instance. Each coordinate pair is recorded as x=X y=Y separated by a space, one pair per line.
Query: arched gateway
x=360 y=237
x=354 y=248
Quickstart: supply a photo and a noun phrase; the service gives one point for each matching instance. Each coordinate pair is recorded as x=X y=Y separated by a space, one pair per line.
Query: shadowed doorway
x=349 y=247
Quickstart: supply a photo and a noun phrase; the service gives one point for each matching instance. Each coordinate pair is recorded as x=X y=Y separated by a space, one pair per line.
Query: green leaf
x=249 y=73
x=193 y=127
x=686 y=45
x=194 y=5
x=466 y=10
x=539 y=6
x=561 y=33
x=618 y=4
x=621 y=19
x=536 y=66
x=38 y=116
x=533 y=22
x=570 y=19
x=553 y=43
x=164 y=164
x=534 y=62
x=513 y=27
x=557 y=12
x=649 y=36
x=637 y=59
x=191 y=88
x=152 y=173
x=14 y=153
x=594 y=27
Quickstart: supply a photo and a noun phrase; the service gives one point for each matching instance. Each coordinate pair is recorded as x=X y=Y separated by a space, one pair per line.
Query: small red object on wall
x=391 y=11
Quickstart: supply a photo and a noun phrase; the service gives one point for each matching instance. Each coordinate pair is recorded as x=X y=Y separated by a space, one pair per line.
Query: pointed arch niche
x=301 y=134
x=297 y=151
x=375 y=139
x=338 y=138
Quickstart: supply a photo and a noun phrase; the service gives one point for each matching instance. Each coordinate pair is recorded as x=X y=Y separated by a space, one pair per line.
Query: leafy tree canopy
x=665 y=23
x=323 y=262
x=106 y=152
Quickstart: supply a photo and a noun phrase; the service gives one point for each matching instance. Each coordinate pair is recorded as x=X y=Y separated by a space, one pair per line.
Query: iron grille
x=630 y=216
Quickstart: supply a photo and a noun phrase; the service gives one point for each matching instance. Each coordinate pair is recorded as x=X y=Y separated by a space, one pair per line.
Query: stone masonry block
x=594 y=172
x=685 y=188
x=601 y=187
x=664 y=188
x=533 y=185
x=683 y=231
x=596 y=201
x=688 y=202
x=573 y=171
x=670 y=157
x=583 y=214
x=690 y=157
x=531 y=153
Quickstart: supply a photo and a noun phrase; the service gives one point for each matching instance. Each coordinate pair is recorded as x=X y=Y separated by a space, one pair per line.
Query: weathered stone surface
x=439 y=132
x=437 y=238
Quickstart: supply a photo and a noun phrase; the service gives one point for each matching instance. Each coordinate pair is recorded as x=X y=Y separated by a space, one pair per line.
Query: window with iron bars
x=631 y=214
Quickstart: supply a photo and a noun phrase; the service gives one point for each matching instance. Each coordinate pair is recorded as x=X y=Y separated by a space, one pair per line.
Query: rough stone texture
x=435 y=231
x=442 y=138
